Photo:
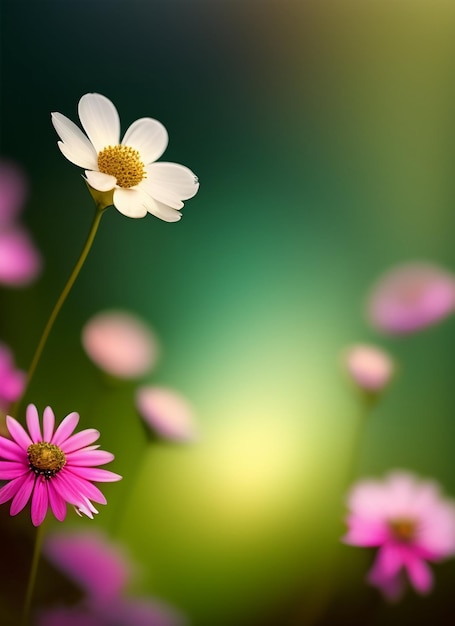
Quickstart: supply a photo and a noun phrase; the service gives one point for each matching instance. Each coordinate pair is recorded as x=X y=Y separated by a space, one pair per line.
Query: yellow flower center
x=124 y=163
x=403 y=529
x=45 y=459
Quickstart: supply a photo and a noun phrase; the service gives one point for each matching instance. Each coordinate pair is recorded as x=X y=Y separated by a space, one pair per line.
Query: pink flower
x=20 y=261
x=166 y=412
x=52 y=468
x=370 y=367
x=13 y=190
x=409 y=521
x=411 y=297
x=120 y=344
x=12 y=380
x=102 y=569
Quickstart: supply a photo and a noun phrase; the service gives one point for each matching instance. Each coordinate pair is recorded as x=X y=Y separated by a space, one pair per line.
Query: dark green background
x=323 y=137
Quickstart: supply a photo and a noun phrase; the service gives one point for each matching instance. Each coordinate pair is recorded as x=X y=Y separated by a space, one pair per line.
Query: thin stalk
x=32 y=577
x=58 y=305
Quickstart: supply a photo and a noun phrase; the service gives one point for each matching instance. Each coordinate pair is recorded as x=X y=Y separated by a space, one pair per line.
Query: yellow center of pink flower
x=45 y=459
x=124 y=163
x=403 y=529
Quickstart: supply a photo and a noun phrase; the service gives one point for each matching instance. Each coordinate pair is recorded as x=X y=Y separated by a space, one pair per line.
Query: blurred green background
x=323 y=137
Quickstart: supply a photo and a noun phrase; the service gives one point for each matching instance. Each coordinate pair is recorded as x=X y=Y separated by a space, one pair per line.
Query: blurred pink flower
x=103 y=570
x=120 y=344
x=409 y=521
x=410 y=297
x=12 y=380
x=166 y=412
x=20 y=261
x=13 y=191
x=369 y=367
x=52 y=468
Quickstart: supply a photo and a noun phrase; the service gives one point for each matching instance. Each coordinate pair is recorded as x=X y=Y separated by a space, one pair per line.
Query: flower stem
x=58 y=305
x=32 y=576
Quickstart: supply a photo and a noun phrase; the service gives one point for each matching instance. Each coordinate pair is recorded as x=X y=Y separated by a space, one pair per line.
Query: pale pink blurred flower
x=52 y=467
x=409 y=521
x=100 y=567
x=103 y=570
x=13 y=191
x=411 y=297
x=166 y=412
x=120 y=344
x=12 y=380
x=20 y=261
x=370 y=367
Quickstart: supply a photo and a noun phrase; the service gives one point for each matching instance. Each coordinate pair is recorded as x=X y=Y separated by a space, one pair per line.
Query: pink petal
x=89 y=457
x=18 y=433
x=58 y=504
x=40 y=501
x=98 y=475
x=365 y=532
x=65 y=429
x=419 y=574
x=48 y=424
x=9 y=490
x=12 y=469
x=33 y=424
x=389 y=560
x=23 y=494
x=20 y=261
x=12 y=451
x=74 y=484
x=79 y=440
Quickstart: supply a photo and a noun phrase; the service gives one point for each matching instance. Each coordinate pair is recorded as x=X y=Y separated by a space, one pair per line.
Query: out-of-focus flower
x=103 y=571
x=411 y=297
x=409 y=521
x=369 y=367
x=127 y=169
x=52 y=468
x=120 y=343
x=20 y=261
x=13 y=190
x=166 y=412
x=12 y=380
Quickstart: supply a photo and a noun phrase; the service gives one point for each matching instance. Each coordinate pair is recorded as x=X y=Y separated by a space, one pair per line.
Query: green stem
x=32 y=577
x=58 y=305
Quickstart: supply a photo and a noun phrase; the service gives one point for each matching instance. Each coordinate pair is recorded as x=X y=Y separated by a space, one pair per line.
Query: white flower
x=128 y=169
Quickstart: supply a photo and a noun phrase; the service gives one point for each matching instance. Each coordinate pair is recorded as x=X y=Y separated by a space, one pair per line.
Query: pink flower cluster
x=20 y=261
x=410 y=523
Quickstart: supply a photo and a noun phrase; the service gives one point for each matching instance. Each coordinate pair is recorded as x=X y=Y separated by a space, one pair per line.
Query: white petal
x=129 y=202
x=164 y=212
x=100 y=181
x=176 y=178
x=161 y=194
x=100 y=120
x=148 y=137
x=79 y=148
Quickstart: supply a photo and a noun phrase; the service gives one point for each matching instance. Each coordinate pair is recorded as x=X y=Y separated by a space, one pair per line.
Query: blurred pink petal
x=12 y=380
x=411 y=297
x=409 y=521
x=13 y=191
x=20 y=261
x=120 y=344
x=369 y=367
x=166 y=412
x=100 y=567
x=118 y=612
